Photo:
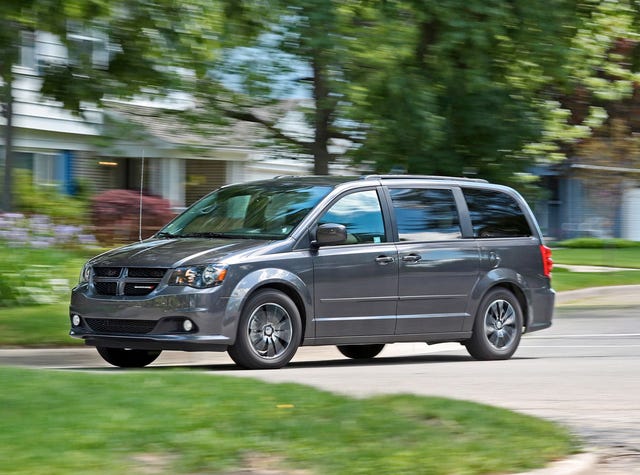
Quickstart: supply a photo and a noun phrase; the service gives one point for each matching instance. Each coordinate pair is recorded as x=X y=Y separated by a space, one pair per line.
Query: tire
x=360 y=352
x=269 y=332
x=497 y=328
x=126 y=358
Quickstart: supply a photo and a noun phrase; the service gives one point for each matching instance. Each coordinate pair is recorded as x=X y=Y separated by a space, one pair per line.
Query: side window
x=495 y=214
x=425 y=214
x=361 y=214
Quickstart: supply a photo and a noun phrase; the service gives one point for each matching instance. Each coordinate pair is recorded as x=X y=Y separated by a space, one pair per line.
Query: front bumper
x=154 y=322
x=156 y=342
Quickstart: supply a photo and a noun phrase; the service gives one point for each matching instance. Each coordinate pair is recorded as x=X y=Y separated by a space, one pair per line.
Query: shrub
x=31 y=276
x=47 y=200
x=115 y=214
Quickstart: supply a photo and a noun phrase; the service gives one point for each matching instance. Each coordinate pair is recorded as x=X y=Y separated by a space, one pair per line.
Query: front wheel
x=127 y=358
x=497 y=327
x=269 y=332
x=360 y=352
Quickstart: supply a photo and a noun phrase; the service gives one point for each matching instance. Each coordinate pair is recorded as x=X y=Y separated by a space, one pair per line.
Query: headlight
x=199 y=277
x=85 y=274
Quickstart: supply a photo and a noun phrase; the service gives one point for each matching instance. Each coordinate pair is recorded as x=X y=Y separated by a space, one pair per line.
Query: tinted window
x=361 y=214
x=425 y=215
x=495 y=214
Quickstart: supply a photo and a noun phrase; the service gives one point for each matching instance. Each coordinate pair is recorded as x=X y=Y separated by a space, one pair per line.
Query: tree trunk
x=324 y=109
x=8 y=147
x=321 y=159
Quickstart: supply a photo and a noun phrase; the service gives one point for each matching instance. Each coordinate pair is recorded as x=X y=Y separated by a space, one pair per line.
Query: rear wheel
x=497 y=328
x=360 y=352
x=127 y=358
x=269 y=332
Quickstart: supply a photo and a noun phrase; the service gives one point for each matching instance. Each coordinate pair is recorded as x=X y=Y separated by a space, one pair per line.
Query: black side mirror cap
x=329 y=234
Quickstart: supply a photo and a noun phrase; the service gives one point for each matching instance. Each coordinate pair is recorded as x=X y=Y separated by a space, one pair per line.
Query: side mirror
x=330 y=234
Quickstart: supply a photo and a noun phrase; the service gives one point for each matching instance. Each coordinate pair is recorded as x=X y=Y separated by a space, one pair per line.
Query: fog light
x=187 y=325
x=75 y=319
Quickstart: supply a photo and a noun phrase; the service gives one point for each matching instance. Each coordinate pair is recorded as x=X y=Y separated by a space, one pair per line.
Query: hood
x=176 y=252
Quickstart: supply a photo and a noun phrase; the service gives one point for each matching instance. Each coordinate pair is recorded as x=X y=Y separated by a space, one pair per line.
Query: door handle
x=384 y=260
x=412 y=258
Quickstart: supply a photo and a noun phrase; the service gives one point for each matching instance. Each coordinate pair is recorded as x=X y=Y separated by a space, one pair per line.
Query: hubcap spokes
x=270 y=330
x=500 y=324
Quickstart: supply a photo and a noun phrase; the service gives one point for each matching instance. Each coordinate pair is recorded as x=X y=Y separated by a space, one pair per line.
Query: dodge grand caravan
x=258 y=269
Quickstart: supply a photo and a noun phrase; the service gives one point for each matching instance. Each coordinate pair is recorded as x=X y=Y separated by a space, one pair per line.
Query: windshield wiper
x=203 y=235
x=167 y=235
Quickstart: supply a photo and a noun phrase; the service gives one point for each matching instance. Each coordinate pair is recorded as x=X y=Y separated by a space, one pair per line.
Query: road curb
x=580 y=464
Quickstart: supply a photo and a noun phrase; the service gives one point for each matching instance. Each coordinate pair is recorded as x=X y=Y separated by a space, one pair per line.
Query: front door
x=356 y=282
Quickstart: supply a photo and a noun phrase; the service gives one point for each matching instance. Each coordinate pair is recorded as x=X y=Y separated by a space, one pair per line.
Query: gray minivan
x=258 y=269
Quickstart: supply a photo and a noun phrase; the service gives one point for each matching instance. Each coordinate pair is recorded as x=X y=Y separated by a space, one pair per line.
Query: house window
x=28 y=49
x=45 y=169
x=87 y=47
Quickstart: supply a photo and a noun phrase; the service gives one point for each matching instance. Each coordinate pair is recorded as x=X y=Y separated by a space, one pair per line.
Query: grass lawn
x=165 y=421
x=563 y=279
x=609 y=257
x=30 y=270
x=36 y=325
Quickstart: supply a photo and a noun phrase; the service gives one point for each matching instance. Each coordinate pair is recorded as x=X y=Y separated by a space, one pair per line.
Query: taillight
x=547 y=261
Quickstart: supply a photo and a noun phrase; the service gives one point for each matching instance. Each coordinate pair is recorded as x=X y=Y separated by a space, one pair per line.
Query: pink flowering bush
x=115 y=215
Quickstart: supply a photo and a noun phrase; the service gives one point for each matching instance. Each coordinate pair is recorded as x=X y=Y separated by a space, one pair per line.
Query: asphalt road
x=583 y=372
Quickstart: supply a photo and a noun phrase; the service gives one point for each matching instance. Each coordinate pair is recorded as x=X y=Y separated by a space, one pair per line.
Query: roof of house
x=185 y=128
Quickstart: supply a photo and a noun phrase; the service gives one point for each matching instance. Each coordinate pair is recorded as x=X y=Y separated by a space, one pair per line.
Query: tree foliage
x=291 y=61
x=454 y=86
x=148 y=47
x=445 y=87
x=478 y=87
x=600 y=77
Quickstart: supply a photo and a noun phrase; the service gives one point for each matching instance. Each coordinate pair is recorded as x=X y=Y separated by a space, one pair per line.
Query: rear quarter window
x=495 y=214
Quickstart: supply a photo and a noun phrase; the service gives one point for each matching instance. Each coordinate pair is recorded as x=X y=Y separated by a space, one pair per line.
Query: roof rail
x=427 y=177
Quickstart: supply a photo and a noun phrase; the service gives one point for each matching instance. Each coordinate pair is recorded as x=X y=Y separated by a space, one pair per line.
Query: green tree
x=294 y=48
x=592 y=120
x=149 y=44
x=447 y=87
x=455 y=87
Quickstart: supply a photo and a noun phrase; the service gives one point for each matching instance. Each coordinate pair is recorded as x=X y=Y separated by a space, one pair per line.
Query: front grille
x=106 y=288
x=146 y=272
x=107 y=271
x=105 y=325
x=130 y=281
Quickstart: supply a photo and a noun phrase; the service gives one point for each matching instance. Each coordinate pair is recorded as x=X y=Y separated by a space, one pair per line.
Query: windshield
x=255 y=211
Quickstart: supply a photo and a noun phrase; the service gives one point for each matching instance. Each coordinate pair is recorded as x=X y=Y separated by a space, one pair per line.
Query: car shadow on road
x=324 y=363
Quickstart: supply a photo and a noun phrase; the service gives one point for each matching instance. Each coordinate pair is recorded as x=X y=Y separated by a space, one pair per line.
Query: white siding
x=631 y=215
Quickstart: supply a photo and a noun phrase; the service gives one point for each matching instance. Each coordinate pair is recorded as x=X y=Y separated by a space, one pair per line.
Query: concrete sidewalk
x=581 y=268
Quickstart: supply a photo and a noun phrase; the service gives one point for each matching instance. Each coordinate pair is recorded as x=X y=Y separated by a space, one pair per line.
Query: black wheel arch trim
x=271 y=278
x=507 y=279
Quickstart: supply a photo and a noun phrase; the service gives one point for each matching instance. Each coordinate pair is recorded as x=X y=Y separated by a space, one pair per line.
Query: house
x=131 y=144
x=589 y=201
